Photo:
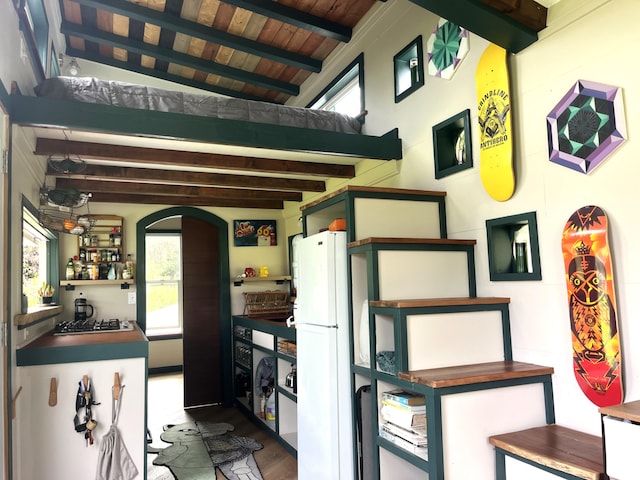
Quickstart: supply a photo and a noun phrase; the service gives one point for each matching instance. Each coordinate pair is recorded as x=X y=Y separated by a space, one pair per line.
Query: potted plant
x=46 y=292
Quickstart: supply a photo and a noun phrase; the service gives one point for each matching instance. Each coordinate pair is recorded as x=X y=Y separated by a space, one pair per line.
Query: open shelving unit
x=413 y=304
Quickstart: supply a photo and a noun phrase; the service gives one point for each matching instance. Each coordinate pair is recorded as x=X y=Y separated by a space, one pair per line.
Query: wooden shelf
x=279 y=279
x=71 y=284
x=476 y=373
x=36 y=315
x=627 y=411
x=439 y=302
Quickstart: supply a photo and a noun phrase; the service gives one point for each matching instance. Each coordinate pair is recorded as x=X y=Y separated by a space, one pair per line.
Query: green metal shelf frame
x=348 y=198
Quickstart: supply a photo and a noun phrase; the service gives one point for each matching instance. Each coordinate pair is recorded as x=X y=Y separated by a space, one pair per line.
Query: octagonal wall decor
x=446 y=48
x=586 y=126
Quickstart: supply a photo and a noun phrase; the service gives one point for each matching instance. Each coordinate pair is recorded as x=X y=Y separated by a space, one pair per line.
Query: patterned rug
x=201 y=451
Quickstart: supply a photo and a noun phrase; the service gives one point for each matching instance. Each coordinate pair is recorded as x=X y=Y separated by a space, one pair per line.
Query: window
x=163 y=269
x=39 y=256
x=35 y=26
x=345 y=94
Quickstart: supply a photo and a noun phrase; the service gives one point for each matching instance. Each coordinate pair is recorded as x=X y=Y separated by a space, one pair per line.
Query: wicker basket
x=287 y=346
x=269 y=304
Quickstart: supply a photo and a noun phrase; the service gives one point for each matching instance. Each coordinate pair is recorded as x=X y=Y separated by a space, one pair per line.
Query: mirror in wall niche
x=512 y=244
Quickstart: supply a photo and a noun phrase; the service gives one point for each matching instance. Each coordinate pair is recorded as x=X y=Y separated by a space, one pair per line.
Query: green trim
x=82 y=353
x=226 y=333
x=105 y=118
x=484 y=21
x=275 y=329
x=164 y=370
x=353 y=70
x=508 y=226
x=401 y=69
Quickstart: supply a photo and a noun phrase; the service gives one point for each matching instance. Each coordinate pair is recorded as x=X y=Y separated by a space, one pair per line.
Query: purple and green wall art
x=586 y=126
x=446 y=48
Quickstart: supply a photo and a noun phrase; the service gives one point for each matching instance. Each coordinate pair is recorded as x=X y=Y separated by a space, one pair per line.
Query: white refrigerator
x=325 y=420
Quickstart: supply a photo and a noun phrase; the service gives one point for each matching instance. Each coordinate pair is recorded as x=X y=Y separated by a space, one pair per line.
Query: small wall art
x=446 y=48
x=586 y=126
x=254 y=233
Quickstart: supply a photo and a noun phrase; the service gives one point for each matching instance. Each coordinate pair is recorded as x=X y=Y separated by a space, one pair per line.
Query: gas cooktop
x=91 y=326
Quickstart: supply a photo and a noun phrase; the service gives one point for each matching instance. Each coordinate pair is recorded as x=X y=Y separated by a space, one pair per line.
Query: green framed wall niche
x=513 y=248
x=452 y=145
x=408 y=69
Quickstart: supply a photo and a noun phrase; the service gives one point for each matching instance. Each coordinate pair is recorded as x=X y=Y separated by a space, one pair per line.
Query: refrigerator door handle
x=290 y=321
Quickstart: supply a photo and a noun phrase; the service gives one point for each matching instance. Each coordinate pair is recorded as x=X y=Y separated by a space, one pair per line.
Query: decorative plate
x=446 y=48
x=586 y=126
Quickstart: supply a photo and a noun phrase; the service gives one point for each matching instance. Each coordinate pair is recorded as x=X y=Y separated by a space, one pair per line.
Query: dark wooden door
x=201 y=313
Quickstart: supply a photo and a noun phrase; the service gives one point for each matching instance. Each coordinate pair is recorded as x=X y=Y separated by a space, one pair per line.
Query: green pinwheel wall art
x=586 y=126
x=446 y=47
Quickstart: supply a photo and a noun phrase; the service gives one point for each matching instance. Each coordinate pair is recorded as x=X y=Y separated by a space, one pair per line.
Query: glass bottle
x=70 y=270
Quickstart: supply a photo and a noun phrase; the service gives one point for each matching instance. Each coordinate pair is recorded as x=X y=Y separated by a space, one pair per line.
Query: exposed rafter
x=199 y=202
x=108 y=173
x=295 y=17
x=204 y=32
x=209 y=193
x=172 y=56
x=86 y=150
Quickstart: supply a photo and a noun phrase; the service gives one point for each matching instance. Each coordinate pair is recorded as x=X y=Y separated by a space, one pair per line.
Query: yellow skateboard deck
x=494 y=121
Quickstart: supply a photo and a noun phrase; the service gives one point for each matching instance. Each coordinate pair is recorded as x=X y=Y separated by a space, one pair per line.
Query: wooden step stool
x=564 y=452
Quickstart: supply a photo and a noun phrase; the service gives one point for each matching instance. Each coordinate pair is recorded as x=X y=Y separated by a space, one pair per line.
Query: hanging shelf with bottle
x=100 y=258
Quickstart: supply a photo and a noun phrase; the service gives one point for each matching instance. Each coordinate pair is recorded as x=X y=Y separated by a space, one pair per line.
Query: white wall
x=596 y=46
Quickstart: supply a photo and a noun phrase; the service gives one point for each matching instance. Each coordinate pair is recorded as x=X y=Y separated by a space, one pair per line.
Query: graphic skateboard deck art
x=494 y=120
x=592 y=306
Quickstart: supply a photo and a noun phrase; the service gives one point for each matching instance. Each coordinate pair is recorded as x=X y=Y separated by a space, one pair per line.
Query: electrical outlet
x=131 y=296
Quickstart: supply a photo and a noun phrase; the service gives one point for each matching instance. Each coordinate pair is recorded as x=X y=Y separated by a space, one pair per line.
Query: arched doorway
x=205 y=362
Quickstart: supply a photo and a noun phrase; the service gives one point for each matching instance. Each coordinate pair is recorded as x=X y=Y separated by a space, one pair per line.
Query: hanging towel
x=114 y=461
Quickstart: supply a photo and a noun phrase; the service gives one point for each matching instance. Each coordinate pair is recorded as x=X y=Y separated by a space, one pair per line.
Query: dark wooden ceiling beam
x=295 y=17
x=91 y=186
x=485 y=20
x=100 y=197
x=87 y=150
x=108 y=173
x=204 y=32
x=172 y=56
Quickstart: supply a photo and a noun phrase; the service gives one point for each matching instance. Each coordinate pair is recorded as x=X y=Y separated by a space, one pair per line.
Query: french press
x=83 y=310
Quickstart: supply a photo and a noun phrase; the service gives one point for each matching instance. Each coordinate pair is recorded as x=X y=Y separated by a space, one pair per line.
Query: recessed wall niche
x=452 y=145
x=512 y=244
x=408 y=69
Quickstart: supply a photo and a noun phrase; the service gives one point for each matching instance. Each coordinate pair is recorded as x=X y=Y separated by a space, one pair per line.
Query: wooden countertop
x=51 y=349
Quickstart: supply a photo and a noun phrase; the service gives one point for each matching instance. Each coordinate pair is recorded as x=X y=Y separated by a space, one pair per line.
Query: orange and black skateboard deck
x=597 y=358
x=494 y=121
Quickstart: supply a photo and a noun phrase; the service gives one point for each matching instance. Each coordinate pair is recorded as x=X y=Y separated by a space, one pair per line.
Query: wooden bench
x=564 y=452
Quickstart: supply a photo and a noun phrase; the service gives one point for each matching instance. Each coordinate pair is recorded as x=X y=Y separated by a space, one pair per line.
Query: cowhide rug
x=197 y=448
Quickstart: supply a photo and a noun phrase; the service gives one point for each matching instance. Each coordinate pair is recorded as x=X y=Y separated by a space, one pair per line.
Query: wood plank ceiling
x=253 y=49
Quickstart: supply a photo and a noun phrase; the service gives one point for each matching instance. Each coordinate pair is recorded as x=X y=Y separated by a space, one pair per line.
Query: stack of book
x=404 y=423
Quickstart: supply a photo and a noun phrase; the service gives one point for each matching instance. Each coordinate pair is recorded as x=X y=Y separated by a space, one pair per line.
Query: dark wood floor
x=165 y=407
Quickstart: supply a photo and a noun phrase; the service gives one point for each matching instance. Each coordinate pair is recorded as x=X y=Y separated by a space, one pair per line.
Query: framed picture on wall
x=254 y=233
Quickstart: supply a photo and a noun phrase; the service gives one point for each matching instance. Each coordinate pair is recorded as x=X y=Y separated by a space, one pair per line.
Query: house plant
x=46 y=292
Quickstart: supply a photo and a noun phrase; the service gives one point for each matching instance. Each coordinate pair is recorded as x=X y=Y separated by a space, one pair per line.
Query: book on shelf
x=418 y=450
x=403 y=397
x=405 y=408
x=403 y=419
x=415 y=436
